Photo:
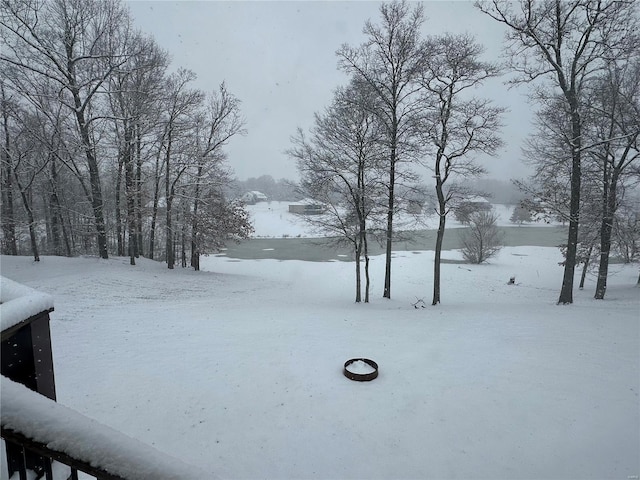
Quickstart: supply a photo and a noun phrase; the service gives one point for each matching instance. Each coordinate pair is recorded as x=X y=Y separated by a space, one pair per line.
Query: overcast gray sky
x=279 y=59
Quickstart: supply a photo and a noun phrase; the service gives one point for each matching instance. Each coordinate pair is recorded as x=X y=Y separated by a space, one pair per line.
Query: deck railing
x=29 y=456
x=50 y=439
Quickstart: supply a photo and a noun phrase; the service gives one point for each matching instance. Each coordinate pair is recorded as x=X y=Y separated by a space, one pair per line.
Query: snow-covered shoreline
x=273 y=220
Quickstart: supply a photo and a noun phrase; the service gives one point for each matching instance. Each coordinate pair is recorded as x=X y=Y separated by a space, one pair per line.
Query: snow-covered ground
x=273 y=220
x=238 y=369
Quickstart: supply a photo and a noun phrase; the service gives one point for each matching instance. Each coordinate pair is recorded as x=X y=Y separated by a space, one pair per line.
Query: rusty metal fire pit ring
x=361 y=377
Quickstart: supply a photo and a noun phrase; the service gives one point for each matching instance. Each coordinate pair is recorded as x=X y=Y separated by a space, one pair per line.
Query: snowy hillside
x=238 y=369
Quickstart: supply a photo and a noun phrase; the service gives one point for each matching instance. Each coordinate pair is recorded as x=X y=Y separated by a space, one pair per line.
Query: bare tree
x=134 y=94
x=340 y=168
x=218 y=124
x=456 y=125
x=565 y=43
x=613 y=127
x=9 y=243
x=75 y=44
x=177 y=147
x=390 y=62
x=481 y=240
x=25 y=159
x=50 y=128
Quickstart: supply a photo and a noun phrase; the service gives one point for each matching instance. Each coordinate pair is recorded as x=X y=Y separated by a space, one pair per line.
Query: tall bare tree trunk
x=358 y=254
x=439 y=237
x=169 y=240
x=58 y=233
x=566 y=292
x=97 y=203
x=129 y=182
x=195 y=249
x=391 y=204
x=585 y=268
x=154 y=208
x=118 y=212
x=138 y=194
x=606 y=228
x=168 y=191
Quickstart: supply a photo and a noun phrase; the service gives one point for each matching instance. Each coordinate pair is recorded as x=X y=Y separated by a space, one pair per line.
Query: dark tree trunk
x=58 y=229
x=361 y=208
x=361 y=250
x=437 y=256
x=138 y=194
x=48 y=224
x=130 y=194
x=442 y=212
x=389 y=242
x=118 y=201
x=97 y=204
x=358 y=254
x=154 y=210
x=566 y=292
x=367 y=279
x=606 y=228
x=168 y=190
x=183 y=245
x=585 y=267
x=169 y=239
x=195 y=249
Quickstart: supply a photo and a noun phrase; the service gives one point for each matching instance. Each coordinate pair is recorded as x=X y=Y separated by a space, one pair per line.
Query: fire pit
x=360 y=369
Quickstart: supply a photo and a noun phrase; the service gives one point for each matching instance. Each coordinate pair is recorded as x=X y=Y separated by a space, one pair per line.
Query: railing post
x=22 y=468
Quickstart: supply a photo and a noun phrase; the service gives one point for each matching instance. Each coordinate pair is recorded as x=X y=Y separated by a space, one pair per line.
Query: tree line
x=105 y=149
x=411 y=102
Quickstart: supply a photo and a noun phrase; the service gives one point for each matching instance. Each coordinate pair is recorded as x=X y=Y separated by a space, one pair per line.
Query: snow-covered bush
x=482 y=239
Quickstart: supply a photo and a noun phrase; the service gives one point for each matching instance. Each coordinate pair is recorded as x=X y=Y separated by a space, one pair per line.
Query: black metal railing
x=30 y=456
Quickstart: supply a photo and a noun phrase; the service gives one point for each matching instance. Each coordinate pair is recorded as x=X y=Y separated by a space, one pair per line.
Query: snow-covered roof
x=306 y=201
x=65 y=430
x=19 y=302
x=474 y=199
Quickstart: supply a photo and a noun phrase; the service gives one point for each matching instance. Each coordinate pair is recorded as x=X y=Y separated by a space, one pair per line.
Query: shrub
x=482 y=239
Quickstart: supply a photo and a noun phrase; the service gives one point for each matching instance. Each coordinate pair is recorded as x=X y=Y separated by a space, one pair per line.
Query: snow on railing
x=18 y=303
x=68 y=436
x=45 y=432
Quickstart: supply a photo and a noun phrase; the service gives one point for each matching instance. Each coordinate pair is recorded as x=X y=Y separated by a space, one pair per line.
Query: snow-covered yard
x=238 y=369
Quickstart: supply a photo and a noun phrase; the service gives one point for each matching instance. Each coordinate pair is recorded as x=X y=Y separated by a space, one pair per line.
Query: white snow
x=238 y=369
x=360 y=367
x=65 y=430
x=19 y=302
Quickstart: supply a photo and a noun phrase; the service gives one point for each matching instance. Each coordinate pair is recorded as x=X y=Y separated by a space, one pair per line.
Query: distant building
x=253 y=197
x=306 y=207
x=470 y=205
